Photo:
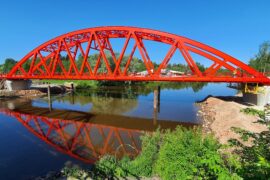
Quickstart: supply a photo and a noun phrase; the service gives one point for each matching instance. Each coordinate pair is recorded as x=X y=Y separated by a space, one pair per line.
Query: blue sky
x=234 y=27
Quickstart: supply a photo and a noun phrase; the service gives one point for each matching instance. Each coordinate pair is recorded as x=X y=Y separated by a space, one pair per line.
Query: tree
x=262 y=59
x=1 y=68
x=200 y=66
x=9 y=64
x=26 y=65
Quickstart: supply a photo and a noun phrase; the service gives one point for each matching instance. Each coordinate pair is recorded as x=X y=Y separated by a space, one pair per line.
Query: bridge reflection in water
x=83 y=135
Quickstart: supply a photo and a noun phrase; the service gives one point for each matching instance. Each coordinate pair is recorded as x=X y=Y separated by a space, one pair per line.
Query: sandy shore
x=220 y=114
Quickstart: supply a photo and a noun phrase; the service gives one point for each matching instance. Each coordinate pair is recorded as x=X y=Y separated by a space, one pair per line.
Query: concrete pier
x=260 y=98
x=72 y=98
x=18 y=84
x=156 y=104
x=157 y=98
x=72 y=88
x=49 y=97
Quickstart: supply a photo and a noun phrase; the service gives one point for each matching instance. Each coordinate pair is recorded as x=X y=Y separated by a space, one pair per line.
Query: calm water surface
x=81 y=128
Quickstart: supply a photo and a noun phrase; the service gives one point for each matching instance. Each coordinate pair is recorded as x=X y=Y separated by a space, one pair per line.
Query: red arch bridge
x=58 y=58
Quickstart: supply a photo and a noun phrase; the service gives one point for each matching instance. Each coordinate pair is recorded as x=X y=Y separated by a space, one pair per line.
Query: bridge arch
x=46 y=62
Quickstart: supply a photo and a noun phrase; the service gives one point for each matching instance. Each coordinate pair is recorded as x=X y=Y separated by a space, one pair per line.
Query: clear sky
x=236 y=27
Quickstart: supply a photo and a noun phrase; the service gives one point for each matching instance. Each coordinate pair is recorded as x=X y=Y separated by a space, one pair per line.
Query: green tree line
x=261 y=60
x=136 y=64
x=8 y=65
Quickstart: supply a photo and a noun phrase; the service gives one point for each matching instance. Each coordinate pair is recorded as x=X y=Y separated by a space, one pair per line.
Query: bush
x=74 y=172
x=255 y=159
x=179 y=154
x=144 y=163
x=185 y=154
x=109 y=166
x=188 y=154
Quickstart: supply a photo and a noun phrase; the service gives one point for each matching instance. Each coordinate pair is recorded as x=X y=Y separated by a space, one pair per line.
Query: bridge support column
x=72 y=98
x=18 y=84
x=157 y=98
x=72 y=93
x=260 y=98
x=49 y=97
x=156 y=103
x=72 y=88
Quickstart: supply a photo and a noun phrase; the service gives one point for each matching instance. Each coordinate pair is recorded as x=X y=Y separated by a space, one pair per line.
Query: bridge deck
x=180 y=78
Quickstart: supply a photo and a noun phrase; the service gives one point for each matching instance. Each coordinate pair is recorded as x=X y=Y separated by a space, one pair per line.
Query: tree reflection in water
x=120 y=99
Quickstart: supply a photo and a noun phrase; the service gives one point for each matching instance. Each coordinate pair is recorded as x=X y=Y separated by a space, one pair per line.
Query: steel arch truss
x=46 y=62
x=83 y=141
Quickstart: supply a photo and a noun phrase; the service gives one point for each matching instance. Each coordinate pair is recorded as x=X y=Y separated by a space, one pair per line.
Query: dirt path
x=220 y=114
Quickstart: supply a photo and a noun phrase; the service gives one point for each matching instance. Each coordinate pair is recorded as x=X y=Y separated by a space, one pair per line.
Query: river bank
x=21 y=93
x=222 y=113
x=36 y=90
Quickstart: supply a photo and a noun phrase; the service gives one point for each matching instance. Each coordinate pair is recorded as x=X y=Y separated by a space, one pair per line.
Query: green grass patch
x=245 y=135
x=252 y=111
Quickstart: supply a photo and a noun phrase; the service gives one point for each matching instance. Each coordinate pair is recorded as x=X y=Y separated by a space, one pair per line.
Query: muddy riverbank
x=220 y=114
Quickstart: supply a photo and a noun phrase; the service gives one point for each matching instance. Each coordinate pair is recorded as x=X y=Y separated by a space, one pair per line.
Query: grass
x=252 y=111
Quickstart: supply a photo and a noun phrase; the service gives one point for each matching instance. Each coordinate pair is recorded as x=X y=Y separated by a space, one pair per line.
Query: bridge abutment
x=260 y=98
x=12 y=85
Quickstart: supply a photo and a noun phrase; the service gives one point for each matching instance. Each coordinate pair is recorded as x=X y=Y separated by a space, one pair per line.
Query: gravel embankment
x=220 y=114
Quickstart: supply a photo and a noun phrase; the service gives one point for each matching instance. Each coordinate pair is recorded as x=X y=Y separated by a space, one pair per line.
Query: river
x=82 y=127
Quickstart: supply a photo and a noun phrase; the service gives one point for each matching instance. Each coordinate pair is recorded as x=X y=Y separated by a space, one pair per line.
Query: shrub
x=255 y=159
x=188 y=154
x=144 y=163
x=74 y=172
x=180 y=154
x=86 y=84
x=109 y=166
x=185 y=154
